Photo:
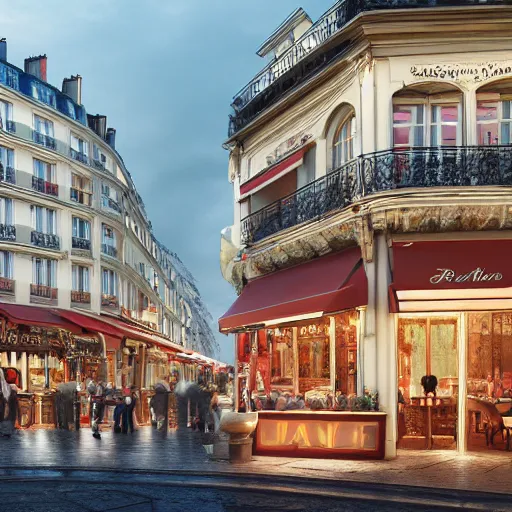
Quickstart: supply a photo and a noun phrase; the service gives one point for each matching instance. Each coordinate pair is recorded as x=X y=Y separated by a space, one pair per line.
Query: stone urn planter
x=239 y=426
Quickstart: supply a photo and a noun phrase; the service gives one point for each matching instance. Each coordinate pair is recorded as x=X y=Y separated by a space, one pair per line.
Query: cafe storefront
x=297 y=339
x=453 y=306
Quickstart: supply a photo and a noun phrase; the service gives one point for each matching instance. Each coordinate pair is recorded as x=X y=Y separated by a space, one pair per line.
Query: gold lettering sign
x=479 y=275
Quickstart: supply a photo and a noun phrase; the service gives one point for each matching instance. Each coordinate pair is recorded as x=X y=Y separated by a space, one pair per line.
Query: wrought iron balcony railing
x=109 y=250
x=80 y=157
x=80 y=243
x=45 y=240
x=44 y=140
x=47 y=292
x=7 y=233
x=110 y=204
x=45 y=187
x=8 y=174
x=378 y=172
x=7 y=285
x=301 y=61
x=109 y=301
x=80 y=297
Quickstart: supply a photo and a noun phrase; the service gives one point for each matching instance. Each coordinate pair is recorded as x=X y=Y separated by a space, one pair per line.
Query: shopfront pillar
x=386 y=345
x=24 y=373
x=368 y=343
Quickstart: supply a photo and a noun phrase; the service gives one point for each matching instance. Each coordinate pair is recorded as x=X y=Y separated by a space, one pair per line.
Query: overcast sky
x=164 y=72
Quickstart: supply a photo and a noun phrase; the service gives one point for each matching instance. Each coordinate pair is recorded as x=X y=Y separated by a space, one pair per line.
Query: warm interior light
x=294 y=318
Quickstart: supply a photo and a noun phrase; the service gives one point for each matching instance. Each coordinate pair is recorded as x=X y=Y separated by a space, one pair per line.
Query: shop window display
x=307 y=365
x=427 y=383
x=489 y=378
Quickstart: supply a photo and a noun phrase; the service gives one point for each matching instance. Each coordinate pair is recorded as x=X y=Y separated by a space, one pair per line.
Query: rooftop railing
x=388 y=170
x=286 y=67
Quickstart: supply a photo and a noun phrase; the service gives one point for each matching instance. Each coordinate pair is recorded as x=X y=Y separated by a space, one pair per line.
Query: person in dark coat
x=159 y=404
x=118 y=414
x=128 y=420
x=65 y=398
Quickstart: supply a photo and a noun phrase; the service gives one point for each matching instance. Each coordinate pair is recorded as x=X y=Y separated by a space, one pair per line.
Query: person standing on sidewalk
x=8 y=406
x=128 y=420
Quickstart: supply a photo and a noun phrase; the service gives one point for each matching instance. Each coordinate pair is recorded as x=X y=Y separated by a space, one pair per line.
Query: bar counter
x=321 y=434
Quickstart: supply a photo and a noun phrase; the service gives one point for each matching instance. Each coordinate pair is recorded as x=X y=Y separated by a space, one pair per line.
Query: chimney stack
x=36 y=66
x=111 y=138
x=98 y=124
x=3 y=49
x=73 y=88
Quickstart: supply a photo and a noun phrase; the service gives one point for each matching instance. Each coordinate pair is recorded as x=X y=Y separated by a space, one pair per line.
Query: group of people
x=101 y=396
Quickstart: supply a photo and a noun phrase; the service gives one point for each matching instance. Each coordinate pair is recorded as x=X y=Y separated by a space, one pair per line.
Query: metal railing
x=47 y=292
x=79 y=156
x=80 y=297
x=328 y=25
x=378 y=172
x=8 y=174
x=7 y=232
x=109 y=301
x=44 y=140
x=80 y=243
x=79 y=196
x=109 y=250
x=45 y=240
x=45 y=187
x=7 y=285
x=110 y=204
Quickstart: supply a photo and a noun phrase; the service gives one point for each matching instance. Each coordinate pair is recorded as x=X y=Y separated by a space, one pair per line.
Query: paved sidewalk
x=148 y=450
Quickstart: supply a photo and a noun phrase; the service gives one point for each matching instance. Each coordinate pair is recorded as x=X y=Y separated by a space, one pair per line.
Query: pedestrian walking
x=118 y=414
x=159 y=404
x=8 y=406
x=128 y=419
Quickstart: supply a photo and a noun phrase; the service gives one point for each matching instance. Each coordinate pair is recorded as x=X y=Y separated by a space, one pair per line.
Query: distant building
x=371 y=164
x=77 y=248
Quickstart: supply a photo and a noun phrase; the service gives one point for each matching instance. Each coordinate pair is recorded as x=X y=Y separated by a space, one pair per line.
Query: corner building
x=83 y=280
x=371 y=164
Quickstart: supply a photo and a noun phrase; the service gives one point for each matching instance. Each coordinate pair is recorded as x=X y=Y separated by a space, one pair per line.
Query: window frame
x=44 y=222
x=428 y=103
x=345 y=142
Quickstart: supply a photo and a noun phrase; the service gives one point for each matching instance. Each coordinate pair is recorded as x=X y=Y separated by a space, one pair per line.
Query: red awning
x=461 y=271
x=325 y=285
x=33 y=315
x=137 y=334
x=91 y=323
x=274 y=172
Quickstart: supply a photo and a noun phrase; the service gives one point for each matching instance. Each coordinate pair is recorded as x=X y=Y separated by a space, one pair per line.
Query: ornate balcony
x=8 y=174
x=109 y=250
x=302 y=60
x=80 y=157
x=80 y=297
x=378 y=172
x=45 y=240
x=44 y=140
x=46 y=292
x=7 y=285
x=7 y=233
x=80 y=243
x=45 y=187
x=109 y=301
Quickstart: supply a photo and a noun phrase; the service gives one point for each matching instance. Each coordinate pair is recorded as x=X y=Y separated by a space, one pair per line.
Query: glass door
x=427 y=383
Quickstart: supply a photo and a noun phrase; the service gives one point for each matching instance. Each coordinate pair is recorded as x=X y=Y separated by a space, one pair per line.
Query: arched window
x=494 y=113
x=341 y=137
x=343 y=144
x=427 y=115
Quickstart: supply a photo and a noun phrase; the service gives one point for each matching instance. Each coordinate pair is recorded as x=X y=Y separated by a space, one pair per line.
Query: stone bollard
x=239 y=426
